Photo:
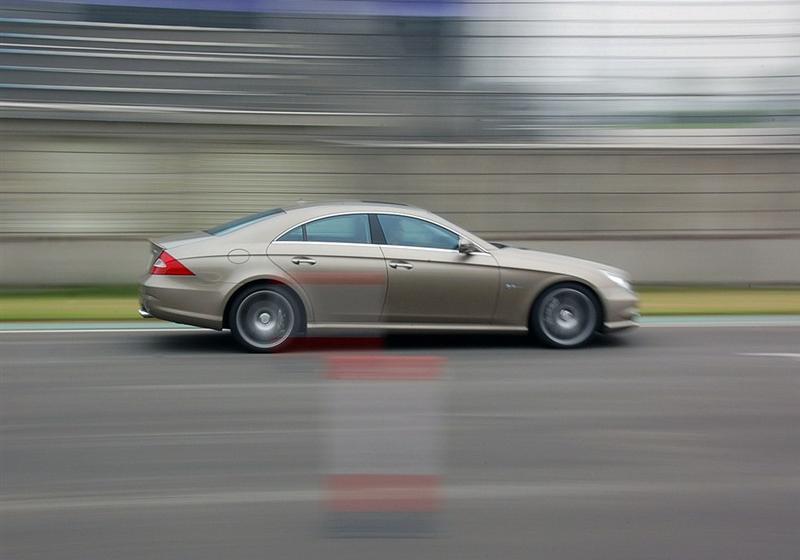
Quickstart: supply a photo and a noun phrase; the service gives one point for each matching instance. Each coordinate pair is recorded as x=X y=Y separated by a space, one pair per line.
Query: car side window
x=295 y=234
x=351 y=228
x=413 y=232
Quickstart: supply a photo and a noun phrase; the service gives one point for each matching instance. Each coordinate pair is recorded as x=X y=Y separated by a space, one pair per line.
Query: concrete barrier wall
x=77 y=198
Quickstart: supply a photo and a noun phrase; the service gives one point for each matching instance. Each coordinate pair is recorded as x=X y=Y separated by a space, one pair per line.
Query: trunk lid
x=172 y=241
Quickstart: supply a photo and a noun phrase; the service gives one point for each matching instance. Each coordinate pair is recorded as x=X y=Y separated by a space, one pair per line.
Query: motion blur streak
x=561 y=71
x=589 y=128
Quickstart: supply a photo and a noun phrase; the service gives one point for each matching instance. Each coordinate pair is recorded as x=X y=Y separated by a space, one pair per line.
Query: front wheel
x=264 y=318
x=566 y=316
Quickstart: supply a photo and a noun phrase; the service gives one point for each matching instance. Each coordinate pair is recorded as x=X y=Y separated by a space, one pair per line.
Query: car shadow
x=216 y=342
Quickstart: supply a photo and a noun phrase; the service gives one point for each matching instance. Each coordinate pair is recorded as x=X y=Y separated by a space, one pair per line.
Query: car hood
x=530 y=259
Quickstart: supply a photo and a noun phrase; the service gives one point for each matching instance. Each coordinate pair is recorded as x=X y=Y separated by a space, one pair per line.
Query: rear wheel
x=566 y=315
x=264 y=318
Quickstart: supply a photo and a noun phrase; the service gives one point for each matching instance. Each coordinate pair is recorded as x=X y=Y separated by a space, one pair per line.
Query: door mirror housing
x=467 y=247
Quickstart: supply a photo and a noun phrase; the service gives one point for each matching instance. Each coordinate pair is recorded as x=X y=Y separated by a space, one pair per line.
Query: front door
x=429 y=280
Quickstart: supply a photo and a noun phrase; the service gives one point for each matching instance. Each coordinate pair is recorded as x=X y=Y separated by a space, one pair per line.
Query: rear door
x=334 y=261
x=429 y=281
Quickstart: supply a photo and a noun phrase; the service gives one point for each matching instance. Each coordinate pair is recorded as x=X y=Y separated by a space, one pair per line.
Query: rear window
x=351 y=228
x=245 y=221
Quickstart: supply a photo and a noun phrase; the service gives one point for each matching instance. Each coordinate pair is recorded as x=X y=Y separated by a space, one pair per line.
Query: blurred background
x=656 y=135
x=660 y=136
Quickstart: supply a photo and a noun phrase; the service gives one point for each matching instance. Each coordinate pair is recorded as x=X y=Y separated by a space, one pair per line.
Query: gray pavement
x=666 y=443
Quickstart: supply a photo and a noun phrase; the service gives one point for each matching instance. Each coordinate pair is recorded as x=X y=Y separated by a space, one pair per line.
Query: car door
x=333 y=260
x=429 y=281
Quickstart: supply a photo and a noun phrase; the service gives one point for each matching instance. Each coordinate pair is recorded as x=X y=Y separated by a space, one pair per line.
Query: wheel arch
x=265 y=281
x=556 y=280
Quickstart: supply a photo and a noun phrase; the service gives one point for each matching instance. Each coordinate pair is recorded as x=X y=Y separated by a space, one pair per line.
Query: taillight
x=167 y=264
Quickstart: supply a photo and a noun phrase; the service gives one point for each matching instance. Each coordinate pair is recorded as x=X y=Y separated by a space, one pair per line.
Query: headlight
x=618 y=280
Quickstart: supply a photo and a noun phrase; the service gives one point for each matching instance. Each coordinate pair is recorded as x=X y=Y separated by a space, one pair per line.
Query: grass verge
x=715 y=300
x=96 y=303
x=120 y=303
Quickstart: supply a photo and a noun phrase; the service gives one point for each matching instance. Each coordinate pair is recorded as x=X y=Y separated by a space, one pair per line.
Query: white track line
x=99 y=331
x=771 y=355
x=27 y=504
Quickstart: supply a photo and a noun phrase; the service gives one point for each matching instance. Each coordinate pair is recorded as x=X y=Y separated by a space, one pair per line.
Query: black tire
x=566 y=315
x=265 y=318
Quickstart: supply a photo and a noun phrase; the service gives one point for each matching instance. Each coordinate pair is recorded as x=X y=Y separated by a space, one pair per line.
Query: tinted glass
x=353 y=228
x=245 y=221
x=411 y=232
x=294 y=235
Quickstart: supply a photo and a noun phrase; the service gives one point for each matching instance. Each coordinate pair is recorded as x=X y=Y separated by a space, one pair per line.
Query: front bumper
x=621 y=310
x=613 y=326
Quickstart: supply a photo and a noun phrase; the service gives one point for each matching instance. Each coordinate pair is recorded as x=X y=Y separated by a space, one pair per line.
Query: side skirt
x=320 y=328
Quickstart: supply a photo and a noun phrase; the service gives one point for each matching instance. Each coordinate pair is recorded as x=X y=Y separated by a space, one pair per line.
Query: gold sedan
x=276 y=275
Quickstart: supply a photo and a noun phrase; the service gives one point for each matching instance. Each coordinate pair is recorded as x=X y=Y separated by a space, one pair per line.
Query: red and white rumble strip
x=384 y=444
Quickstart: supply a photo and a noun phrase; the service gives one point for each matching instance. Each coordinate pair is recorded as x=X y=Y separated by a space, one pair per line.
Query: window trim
x=376 y=232
x=377 y=219
x=483 y=250
x=302 y=232
x=305 y=234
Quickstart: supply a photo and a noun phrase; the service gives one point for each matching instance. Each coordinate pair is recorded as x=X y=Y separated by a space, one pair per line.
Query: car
x=322 y=268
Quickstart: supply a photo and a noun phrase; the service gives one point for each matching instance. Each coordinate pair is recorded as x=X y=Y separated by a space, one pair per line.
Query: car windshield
x=244 y=221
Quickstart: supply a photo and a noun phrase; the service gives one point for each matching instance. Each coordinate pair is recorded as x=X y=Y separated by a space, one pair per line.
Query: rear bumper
x=181 y=299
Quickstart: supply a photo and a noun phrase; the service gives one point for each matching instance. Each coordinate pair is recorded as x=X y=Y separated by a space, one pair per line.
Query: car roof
x=347 y=205
x=305 y=211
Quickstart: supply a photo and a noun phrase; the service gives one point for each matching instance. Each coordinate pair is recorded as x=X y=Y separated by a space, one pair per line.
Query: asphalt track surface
x=665 y=443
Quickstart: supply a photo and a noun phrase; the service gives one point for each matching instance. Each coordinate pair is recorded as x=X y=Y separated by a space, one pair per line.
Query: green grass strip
x=119 y=303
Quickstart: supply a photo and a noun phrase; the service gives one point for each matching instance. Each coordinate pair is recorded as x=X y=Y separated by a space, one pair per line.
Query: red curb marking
x=383 y=367
x=383 y=492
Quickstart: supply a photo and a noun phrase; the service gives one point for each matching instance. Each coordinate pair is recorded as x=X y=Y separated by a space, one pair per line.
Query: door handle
x=401 y=264
x=303 y=260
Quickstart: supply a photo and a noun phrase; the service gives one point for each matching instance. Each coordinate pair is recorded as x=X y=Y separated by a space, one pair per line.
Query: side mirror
x=467 y=247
